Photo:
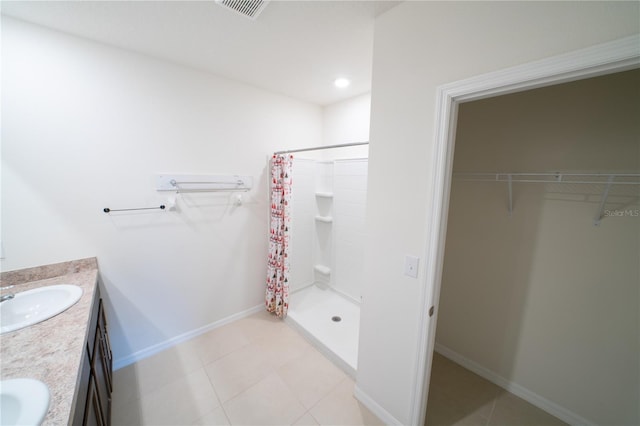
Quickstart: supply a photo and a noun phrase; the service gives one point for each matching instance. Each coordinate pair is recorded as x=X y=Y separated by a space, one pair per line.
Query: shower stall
x=326 y=256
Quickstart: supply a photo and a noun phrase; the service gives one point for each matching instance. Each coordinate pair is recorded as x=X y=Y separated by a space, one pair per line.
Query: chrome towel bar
x=108 y=210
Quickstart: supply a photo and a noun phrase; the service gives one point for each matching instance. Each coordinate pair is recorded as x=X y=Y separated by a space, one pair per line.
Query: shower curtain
x=277 y=293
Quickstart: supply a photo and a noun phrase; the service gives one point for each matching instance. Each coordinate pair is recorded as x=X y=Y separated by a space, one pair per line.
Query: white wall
x=417 y=47
x=85 y=126
x=526 y=297
x=347 y=122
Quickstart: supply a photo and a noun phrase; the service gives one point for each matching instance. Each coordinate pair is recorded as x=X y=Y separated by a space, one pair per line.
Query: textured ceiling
x=297 y=48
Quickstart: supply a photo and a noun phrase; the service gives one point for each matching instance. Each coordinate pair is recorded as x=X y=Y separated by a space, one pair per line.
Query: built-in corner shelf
x=325 y=270
x=324 y=194
x=325 y=219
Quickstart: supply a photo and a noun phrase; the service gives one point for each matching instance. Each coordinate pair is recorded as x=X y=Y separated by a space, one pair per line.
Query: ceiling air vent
x=248 y=8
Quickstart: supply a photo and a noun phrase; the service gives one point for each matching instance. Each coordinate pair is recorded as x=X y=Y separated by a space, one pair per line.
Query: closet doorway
x=600 y=60
x=539 y=291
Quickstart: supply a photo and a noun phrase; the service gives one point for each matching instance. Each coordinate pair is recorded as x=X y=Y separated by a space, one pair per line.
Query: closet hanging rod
x=606 y=179
x=572 y=178
x=318 y=148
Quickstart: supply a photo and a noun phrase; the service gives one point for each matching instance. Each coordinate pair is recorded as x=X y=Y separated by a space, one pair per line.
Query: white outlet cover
x=411 y=266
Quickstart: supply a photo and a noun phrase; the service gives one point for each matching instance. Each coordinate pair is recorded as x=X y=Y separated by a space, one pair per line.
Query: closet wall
x=545 y=301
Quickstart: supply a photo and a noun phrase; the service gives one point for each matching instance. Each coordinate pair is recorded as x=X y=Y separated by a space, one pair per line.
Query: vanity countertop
x=51 y=351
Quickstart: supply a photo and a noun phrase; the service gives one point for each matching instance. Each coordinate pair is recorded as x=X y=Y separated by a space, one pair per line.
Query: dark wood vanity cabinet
x=93 y=401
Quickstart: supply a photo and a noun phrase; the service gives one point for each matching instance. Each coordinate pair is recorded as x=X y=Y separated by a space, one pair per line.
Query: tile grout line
x=493 y=407
x=215 y=392
x=204 y=367
x=325 y=396
x=308 y=410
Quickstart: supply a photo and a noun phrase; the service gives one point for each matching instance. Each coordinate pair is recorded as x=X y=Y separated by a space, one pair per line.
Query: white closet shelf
x=325 y=270
x=605 y=179
x=324 y=194
x=555 y=177
x=325 y=219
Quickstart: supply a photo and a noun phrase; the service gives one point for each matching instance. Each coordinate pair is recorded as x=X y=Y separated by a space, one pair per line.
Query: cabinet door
x=99 y=370
x=82 y=397
x=92 y=415
x=106 y=347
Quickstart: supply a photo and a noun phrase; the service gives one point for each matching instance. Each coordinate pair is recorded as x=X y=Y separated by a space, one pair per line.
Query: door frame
x=615 y=56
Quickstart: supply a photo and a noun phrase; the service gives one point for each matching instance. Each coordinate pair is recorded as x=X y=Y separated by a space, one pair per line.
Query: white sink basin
x=34 y=306
x=23 y=402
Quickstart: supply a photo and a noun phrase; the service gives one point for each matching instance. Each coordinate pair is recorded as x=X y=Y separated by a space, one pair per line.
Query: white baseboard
x=159 y=347
x=374 y=407
x=533 y=398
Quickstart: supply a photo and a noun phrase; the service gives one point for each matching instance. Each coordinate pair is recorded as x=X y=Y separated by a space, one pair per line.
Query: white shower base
x=311 y=310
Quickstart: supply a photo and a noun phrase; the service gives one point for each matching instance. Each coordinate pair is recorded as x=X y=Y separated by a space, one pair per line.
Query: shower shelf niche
x=325 y=219
x=325 y=270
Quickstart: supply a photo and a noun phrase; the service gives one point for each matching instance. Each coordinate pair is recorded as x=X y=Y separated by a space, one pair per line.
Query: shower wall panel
x=349 y=198
x=302 y=223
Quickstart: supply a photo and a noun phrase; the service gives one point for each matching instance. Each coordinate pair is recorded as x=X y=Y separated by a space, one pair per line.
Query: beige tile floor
x=258 y=371
x=254 y=371
x=459 y=397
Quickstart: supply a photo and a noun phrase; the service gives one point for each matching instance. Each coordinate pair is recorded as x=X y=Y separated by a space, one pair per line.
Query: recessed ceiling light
x=341 y=83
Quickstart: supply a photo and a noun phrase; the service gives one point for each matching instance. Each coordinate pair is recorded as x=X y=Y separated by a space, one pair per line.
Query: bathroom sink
x=33 y=306
x=23 y=402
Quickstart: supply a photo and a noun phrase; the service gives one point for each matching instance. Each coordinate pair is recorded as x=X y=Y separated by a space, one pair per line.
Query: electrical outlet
x=411 y=266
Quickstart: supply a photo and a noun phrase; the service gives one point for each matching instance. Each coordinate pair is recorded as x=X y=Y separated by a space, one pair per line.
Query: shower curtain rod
x=317 y=148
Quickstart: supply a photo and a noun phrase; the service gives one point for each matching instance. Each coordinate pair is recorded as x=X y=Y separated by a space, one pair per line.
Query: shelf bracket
x=603 y=201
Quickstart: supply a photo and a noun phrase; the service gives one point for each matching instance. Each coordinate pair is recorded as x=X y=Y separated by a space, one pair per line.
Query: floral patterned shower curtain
x=277 y=293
